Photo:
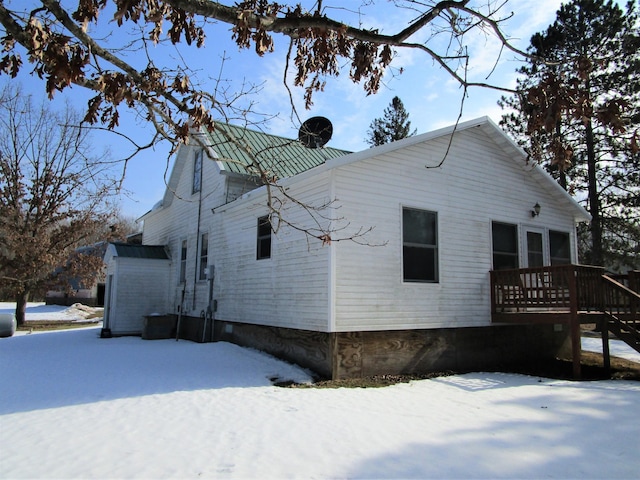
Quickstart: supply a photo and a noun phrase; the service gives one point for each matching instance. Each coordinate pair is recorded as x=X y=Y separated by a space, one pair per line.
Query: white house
x=440 y=211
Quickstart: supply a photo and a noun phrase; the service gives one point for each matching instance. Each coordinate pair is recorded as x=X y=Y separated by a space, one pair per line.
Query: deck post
x=606 y=355
x=576 y=347
x=576 y=344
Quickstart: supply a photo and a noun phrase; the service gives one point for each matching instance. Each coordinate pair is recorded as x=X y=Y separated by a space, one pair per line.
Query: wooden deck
x=572 y=295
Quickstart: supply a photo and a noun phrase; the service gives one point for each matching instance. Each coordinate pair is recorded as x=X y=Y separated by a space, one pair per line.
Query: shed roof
x=157 y=252
x=237 y=147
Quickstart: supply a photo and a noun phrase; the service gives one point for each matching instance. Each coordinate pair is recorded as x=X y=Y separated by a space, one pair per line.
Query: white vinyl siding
x=475 y=185
x=358 y=285
x=177 y=219
x=139 y=287
x=291 y=289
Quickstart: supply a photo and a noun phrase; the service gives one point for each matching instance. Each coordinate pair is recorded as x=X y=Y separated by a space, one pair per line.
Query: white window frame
x=434 y=247
x=525 y=241
x=263 y=237
x=569 y=237
x=203 y=256
x=183 y=251
x=196 y=185
x=517 y=255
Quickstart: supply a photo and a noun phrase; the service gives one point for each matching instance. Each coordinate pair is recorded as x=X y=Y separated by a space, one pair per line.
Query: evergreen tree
x=393 y=125
x=585 y=96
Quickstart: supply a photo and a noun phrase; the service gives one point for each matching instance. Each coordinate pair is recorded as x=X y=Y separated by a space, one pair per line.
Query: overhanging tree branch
x=369 y=51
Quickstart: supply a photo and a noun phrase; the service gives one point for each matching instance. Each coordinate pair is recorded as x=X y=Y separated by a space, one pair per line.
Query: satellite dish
x=315 y=132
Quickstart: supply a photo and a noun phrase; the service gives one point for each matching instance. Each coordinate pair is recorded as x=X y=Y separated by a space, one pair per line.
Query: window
x=197 y=171
x=204 y=254
x=183 y=261
x=419 y=245
x=535 y=249
x=559 y=246
x=264 y=238
x=505 y=246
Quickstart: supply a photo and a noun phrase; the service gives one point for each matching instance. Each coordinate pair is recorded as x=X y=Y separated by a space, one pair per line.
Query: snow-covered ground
x=73 y=405
x=40 y=312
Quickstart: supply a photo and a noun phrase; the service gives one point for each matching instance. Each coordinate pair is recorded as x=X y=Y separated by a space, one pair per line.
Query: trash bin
x=8 y=324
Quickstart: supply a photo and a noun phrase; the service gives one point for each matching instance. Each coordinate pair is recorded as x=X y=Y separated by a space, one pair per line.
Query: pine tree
x=586 y=98
x=393 y=125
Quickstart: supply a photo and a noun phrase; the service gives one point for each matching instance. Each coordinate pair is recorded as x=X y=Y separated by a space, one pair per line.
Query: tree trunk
x=563 y=175
x=594 y=201
x=21 y=307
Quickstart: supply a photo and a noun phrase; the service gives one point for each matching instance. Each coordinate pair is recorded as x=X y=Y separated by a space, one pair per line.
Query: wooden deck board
x=544 y=316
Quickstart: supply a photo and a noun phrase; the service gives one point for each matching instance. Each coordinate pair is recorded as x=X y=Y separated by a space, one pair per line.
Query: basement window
x=264 y=238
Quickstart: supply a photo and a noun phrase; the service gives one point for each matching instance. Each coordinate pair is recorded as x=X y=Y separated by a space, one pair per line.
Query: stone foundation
x=360 y=354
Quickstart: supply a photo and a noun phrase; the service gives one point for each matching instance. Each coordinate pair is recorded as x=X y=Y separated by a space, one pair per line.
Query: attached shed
x=137 y=286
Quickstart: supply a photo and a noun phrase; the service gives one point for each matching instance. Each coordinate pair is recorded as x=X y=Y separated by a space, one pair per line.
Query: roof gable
x=485 y=125
x=500 y=138
x=235 y=148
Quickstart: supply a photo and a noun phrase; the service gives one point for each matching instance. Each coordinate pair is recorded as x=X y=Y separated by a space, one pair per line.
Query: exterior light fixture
x=536 y=210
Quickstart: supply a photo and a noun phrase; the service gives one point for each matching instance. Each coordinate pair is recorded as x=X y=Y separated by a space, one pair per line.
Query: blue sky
x=431 y=97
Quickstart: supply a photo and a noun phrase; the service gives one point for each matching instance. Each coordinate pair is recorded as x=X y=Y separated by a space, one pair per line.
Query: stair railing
x=622 y=307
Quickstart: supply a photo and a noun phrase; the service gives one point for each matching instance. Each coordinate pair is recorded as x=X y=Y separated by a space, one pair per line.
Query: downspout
x=331 y=300
x=198 y=240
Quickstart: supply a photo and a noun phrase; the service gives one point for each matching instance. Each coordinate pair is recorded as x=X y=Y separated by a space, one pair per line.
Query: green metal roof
x=237 y=147
x=154 y=252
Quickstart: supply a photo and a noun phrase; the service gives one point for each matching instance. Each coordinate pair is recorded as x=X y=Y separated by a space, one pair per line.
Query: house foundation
x=343 y=355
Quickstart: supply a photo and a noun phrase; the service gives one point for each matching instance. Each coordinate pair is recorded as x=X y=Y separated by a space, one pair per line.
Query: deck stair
x=621 y=307
x=570 y=294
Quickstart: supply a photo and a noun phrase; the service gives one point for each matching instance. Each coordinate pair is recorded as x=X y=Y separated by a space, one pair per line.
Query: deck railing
x=573 y=289
x=561 y=288
x=631 y=279
x=622 y=304
x=564 y=288
x=567 y=293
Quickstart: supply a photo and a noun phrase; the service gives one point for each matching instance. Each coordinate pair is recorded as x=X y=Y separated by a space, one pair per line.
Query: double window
x=419 y=245
x=263 y=249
